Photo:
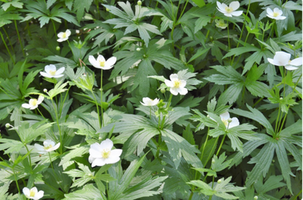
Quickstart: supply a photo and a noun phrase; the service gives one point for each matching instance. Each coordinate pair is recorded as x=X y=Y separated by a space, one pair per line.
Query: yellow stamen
x=225 y=122
x=275 y=14
x=34 y=102
x=32 y=193
x=102 y=63
x=48 y=147
x=105 y=153
x=229 y=10
x=177 y=83
x=53 y=73
x=64 y=35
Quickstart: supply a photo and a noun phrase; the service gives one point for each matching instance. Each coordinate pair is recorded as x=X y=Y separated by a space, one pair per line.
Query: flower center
x=64 y=35
x=225 y=122
x=275 y=14
x=177 y=83
x=48 y=147
x=52 y=72
x=105 y=153
x=34 y=102
x=32 y=193
x=229 y=10
x=102 y=63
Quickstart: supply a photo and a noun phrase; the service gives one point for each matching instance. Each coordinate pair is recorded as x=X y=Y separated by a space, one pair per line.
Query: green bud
x=219 y=181
x=139 y=3
x=107 y=9
x=256 y=197
x=58 y=48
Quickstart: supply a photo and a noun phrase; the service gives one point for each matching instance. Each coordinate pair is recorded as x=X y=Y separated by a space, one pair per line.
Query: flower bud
x=7 y=125
x=58 y=48
x=107 y=9
x=256 y=197
x=138 y=49
x=45 y=90
x=219 y=181
x=139 y=3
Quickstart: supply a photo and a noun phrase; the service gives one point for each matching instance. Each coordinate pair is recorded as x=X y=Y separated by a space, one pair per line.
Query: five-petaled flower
x=229 y=122
x=101 y=63
x=176 y=85
x=230 y=10
x=48 y=146
x=149 y=102
x=101 y=154
x=275 y=14
x=282 y=58
x=33 y=193
x=220 y=23
x=33 y=103
x=63 y=35
x=52 y=72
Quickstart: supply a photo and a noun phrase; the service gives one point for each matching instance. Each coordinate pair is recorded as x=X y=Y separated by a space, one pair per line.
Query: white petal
x=225 y=116
x=60 y=71
x=95 y=150
x=91 y=159
x=221 y=6
x=182 y=83
x=26 y=105
x=173 y=77
x=55 y=147
x=39 y=195
x=234 y=5
x=34 y=107
x=112 y=160
x=269 y=11
x=25 y=191
x=296 y=62
x=100 y=58
x=280 y=18
x=98 y=162
x=289 y=67
x=182 y=91
x=174 y=91
x=107 y=67
x=168 y=83
x=93 y=61
x=277 y=10
x=237 y=13
x=48 y=142
x=111 y=61
x=50 y=68
x=228 y=14
x=45 y=75
x=116 y=153
x=68 y=33
x=234 y=122
x=40 y=99
x=40 y=148
x=107 y=144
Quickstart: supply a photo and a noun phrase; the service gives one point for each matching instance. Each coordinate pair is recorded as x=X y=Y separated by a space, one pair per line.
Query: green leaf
x=199 y=3
x=76 y=151
x=59 y=88
x=89 y=192
x=231 y=94
x=10 y=146
x=218 y=164
x=80 y=6
x=188 y=135
x=202 y=21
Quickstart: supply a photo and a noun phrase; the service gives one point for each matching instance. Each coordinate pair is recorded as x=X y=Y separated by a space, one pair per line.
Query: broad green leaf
x=199 y=3
x=10 y=146
x=218 y=164
x=80 y=6
x=76 y=151
x=89 y=192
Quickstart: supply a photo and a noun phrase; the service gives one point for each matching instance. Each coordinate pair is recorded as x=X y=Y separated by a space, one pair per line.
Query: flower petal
x=173 y=77
x=174 y=91
x=67 y=32
x=39 y=195
x=234 y=122
x=237 y=13
x=269 y=11
x=234 y=5
x=98 y=162
x=40 y=148
x=40 y=99
x=50 y=67
x=221 y=6
x=107 y=144
x=93 y=61
x=296 y=62
x=116 y=152
x=45 y=75
x=111 y=61
x=60 y=71
x=290 y=68
x=182 y=91
x=25 y=191
x=225 y=116
x=112 y=159
x=168 y=83
x=26 y=105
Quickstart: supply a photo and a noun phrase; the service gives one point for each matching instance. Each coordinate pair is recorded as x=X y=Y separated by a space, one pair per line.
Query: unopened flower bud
x=138 y=49
x=256 y=197
x=229 y=120
x=219 y=181
x=45 y=90
x=58 y=48
x=139 y=3
x=77 y=31
x=107 y=9
x=7 y=125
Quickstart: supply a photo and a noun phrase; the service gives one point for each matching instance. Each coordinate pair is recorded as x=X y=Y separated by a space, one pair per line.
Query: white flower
x=101 y=154
x=48 y=146
x=52 y=72
x=283 y=59
x=33 y=193
x=229 y=122
x=229 y=11
x=176 y=85
x=275 y=14
x=63 y=35
x=33 y=103
x=101 y=63
x=220 y=23
x=149 y=102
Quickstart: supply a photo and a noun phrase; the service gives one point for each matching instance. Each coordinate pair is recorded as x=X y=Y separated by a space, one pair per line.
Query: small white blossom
x=149 y=102
x=52 y=72
x=176 y=85
x=230 y=10
x=101 y=154
x=48 y=146
x=101 y=63
x=229 y=122
x=283 y=59
x=33 y=103
x=63 y=35
x=220 y=23
x=275 y=14
x=33 y=193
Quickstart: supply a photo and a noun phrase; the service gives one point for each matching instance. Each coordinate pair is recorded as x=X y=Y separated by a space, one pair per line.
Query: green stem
x=17 y=184
x=95 y=99
x=51 y=162
x=8 y=51
x=29 y=155
x=59 y=129
x=158 y=146
x=221 y=144
x=9 y=41
x=22 y=48
x=40 y=113
x=54 y=26
x=101 y=98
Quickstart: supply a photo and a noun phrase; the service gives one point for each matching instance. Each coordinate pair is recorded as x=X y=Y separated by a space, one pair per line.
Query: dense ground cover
x=153 y=99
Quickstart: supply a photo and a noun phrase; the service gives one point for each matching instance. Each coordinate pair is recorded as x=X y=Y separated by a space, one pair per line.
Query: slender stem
x=54 y=26
x=40 y=113
x=16 y=26
x=158 y=146
x=221 y=144
x=101 y=98
x=228 y=38
x=95 y=99
x=9 y=41
x=17 y=184
x=29 y=155
x=51 y=162
x=57 y=121
x=8 y=51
